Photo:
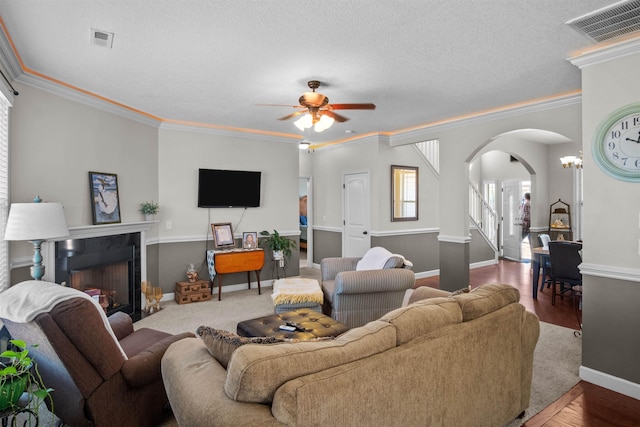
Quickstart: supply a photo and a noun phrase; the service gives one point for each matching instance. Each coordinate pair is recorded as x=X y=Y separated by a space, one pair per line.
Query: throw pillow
x=221 y=344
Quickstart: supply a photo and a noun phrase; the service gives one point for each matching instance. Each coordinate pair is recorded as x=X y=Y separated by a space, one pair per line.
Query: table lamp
x=36 y=222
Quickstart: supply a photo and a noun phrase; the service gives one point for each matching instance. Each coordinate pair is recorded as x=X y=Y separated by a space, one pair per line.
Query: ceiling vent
x=613 y=21
x=101 y=38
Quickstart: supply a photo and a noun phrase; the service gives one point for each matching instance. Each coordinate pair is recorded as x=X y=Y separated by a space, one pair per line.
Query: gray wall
x=611 y=278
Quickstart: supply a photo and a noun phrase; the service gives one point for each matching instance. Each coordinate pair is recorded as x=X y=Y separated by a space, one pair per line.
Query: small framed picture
x=222 y=235
x=249 y=240
x=105 y=202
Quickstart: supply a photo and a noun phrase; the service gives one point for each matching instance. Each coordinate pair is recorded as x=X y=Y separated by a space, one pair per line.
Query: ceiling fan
x=316 y=110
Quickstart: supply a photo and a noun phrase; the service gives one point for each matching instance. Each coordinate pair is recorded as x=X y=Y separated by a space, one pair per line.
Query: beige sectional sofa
x=463 y=360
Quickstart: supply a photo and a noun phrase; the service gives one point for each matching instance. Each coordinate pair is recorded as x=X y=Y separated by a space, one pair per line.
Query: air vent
x=101 y=38
x=613 y=21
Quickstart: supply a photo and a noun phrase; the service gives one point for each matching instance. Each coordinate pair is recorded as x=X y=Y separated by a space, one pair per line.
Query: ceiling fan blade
x=352 y=106
x=297 y=113
x=278 y=105
x=334 y=116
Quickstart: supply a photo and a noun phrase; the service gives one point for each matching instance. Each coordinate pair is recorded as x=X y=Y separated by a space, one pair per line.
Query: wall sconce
x=569 y=161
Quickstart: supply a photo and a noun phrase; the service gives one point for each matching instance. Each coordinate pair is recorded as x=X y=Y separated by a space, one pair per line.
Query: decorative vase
x=11 y=390
x=149 y=217
x=278 y=255
x=192 y=273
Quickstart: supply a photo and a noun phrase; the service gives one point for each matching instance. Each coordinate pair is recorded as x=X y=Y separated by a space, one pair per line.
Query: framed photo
x=222 y=235
x=105 y=202
x=249 y=240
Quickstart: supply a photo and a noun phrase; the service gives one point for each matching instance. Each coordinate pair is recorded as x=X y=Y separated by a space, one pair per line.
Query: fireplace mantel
x=89 y=231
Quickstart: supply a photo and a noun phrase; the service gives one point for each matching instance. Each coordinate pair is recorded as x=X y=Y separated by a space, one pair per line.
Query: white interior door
x=511 y=228
x=357 y=215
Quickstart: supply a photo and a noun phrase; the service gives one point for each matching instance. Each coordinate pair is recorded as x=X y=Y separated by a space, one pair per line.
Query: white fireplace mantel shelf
x=87 y=231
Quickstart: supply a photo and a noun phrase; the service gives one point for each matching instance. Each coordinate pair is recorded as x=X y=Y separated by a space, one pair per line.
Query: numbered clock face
x=616 y=146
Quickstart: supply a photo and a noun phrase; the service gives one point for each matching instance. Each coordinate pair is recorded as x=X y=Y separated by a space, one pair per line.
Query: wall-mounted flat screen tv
x=219 y=188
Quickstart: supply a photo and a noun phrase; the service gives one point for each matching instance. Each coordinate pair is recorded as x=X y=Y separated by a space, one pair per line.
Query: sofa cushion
x=255 y=372
x=486 y=299
x=422 y=317
x=221 y=344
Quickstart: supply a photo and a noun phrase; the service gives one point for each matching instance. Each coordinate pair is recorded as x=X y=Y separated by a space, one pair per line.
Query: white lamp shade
x=36 y=221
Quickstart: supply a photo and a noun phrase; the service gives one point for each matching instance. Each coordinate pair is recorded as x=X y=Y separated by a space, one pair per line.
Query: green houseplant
x=280 y=245
x=19 y=373
x=149 y=209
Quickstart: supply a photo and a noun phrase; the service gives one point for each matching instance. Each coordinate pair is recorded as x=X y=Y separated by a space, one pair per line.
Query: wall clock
x=616 y=144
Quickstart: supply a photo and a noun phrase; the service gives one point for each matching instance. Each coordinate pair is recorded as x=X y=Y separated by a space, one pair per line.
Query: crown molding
x=82 y=98
x=426 y=131
x=606 y=53
x=233 y=133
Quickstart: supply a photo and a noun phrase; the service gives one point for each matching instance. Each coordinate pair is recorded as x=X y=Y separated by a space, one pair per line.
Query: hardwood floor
x=585 y=404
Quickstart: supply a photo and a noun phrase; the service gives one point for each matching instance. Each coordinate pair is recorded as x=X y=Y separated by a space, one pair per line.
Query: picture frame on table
x=222 y=235
x=250 y=240
x=105 y=200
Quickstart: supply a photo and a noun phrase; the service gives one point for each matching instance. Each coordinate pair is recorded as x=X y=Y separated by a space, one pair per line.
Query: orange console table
x=226 y=262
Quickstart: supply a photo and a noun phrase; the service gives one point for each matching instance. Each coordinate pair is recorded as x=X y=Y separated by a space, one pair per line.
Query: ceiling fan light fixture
x=324 y=123
x=304 y=122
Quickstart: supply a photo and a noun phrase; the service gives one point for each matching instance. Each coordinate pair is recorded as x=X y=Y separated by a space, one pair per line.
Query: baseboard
x=610 y=382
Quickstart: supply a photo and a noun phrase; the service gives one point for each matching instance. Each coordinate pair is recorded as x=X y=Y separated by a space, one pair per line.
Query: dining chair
x=565 y=259
x=545 y=261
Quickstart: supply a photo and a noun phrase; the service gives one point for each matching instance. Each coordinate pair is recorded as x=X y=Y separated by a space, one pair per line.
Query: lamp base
x=37 y=270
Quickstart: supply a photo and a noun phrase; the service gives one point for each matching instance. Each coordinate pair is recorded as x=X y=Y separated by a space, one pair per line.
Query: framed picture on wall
x=105 y=202
x=222 y=235
x=249 y=240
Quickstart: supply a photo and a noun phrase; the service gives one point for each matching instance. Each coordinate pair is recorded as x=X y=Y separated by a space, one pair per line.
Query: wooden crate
x=204 y=295
x=187 y=288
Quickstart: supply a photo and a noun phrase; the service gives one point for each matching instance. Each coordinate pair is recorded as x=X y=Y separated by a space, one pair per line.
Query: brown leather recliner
x=94 y=383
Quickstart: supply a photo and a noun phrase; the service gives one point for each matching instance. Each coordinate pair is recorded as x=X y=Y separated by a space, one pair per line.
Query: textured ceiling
x=212 y=61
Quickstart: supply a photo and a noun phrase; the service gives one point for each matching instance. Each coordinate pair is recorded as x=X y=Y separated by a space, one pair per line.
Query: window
x=4 y=190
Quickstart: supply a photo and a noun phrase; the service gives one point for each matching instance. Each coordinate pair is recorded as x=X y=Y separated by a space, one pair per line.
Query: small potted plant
x=19 y=373
x=149 y=209
x=280 y=245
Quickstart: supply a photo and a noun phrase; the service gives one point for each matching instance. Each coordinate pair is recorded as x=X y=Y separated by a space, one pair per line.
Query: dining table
x=539 y=256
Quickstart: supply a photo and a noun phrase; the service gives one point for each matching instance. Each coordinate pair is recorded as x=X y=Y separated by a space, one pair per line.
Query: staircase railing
x=482 y=214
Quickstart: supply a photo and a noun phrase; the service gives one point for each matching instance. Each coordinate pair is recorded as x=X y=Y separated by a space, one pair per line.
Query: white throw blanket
x=295 y=290
x=21 y=303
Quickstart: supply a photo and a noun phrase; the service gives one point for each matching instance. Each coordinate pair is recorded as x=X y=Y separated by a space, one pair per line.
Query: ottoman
x=297 y=292
x=315 y=325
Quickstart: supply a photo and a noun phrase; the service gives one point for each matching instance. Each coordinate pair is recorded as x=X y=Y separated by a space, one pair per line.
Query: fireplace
x=108 y=268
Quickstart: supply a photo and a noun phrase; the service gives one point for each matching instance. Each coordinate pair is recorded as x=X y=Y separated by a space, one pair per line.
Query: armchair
x=355 y=298
x=102 y=371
